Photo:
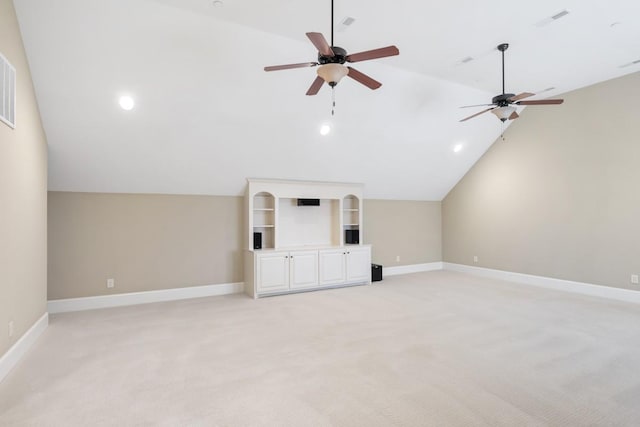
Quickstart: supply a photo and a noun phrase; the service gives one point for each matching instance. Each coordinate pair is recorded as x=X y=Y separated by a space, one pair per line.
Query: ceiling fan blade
x=477 y=114
x=478 y=105
x=372 y=54
x=315 y=86
x=321 y=44
x=541 y=102
x=289 y=66
x=520 y=96
x=514 y=116
x=363 y=78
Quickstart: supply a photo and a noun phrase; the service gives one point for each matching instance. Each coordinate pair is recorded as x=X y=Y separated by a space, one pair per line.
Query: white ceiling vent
x=345 y=23
x=7 y=92
x=552 y=18
x=636 y=62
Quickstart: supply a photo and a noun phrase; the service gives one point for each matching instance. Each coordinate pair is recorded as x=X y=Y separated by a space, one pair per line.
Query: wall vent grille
x=7 y=92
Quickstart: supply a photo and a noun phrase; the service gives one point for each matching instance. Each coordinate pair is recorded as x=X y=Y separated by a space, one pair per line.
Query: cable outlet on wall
x=475 y=258
x=111 y=283
x=11 y=328
x=397 y=258
x=634 y=279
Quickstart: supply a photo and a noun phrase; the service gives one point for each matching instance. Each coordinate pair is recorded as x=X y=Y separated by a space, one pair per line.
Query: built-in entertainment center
x=303 y=235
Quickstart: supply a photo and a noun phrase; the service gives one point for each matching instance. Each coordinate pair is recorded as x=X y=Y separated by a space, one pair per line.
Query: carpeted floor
x=427 y=349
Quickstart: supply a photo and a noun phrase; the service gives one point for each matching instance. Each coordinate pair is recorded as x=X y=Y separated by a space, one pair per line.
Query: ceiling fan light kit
x=503 y=113
x=332 y=73
x=503 y=105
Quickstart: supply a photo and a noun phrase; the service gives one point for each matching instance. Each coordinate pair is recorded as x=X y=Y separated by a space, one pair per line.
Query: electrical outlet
x=475 y=258
x=634 y=279
x=11 y=328
x=397 y=258
x=111 y=283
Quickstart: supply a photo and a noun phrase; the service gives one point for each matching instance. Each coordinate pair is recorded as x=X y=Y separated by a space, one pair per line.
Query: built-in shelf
x=351 y=218
x=293 y=248
x=263 y=220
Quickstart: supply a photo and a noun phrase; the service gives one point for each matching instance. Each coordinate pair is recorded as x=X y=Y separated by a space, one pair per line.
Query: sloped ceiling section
x=207 y=116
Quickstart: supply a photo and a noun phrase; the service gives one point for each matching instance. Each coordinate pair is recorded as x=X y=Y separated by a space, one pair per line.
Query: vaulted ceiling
x=207 y=116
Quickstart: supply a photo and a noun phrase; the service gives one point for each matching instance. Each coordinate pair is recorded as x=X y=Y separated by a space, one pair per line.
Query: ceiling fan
x=331 y=61
x=503 y=105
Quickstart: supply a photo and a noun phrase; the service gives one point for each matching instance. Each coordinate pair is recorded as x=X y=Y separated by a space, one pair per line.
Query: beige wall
x=144 y=242
x=409 y=229
x=23 y=197
x=561 y=196
x=149 y=242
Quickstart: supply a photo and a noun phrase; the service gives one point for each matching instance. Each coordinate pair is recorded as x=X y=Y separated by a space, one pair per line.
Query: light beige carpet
x=427 y=349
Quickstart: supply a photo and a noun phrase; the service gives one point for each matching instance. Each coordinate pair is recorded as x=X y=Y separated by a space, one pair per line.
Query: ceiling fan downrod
x=331 y=23
x=502 y=47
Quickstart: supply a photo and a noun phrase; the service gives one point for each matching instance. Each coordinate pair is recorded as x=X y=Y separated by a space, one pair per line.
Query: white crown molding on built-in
x=413 y=268
x=618 y=294
x=20 y=348
x=134 y=298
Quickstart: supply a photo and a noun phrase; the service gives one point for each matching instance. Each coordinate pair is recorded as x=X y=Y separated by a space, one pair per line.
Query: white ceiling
x=207 y=116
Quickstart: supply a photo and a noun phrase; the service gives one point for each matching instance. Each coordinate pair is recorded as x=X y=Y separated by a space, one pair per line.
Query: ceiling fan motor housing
x=339 y=56
x=503 y=99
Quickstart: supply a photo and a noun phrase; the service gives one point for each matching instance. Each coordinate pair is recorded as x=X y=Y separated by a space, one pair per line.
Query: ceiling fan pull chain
x=333 y=100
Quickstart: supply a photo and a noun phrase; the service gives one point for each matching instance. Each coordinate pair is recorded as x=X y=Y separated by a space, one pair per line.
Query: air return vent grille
x=7 y=92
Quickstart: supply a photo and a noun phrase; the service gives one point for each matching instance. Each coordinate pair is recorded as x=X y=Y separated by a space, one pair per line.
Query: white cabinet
x=303 y=269
x=281 y=271
x=272 y=272
x=293 y=246
x=332 y=266
x=358 y=264
x=345 y=265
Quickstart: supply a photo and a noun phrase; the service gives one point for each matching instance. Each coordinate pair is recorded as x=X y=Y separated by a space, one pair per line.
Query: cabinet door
x=272 y=272
x=358 y=265
x=332 y=266
x=303 y=269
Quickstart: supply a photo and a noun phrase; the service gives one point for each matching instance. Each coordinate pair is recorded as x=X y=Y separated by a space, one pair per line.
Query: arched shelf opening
x=351 y=217
x=264 y=221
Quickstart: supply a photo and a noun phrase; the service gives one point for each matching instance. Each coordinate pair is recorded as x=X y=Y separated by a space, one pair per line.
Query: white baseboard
x=18 y=350
x=549 y=282
x=133 y=298
x=413 y=268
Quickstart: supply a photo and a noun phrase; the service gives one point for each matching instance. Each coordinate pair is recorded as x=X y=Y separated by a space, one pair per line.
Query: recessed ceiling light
x=217 y=3
x=325 y=129
x=126 y=102
x=457 y=148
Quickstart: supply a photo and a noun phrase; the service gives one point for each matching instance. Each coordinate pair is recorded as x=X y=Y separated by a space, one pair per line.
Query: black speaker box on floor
x=257 y=240
x=376 y=272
